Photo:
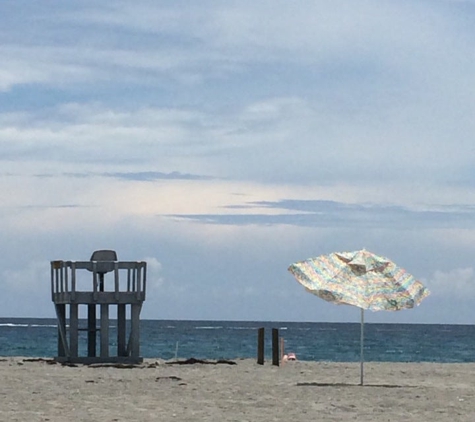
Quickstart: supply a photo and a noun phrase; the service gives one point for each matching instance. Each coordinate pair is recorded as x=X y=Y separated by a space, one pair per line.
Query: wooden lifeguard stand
x=128 y=283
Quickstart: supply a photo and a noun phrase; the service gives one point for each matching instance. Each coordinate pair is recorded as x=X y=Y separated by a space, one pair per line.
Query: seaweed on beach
x=193 y=361
x=171 y=378
x=48 y=361
x=115 y=365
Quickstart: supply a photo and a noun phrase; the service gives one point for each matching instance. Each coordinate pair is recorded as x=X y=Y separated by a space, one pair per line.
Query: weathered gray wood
x=63 y=349
x=91 y=330
x=99 y=298
x=94 y=282
x=138 y=287
x=73 y=281
x=144 y=280
x=73 y=330
x=64 y=279
x=132 y=292
x=260 y=346
x=56 y=277
x=101 y=283
x=275 y=347
x=121 y=330
x=62 y=272
x=135 y=330
x=116 y=281
x=89 y=265
x=52 y=281
x=104 y=331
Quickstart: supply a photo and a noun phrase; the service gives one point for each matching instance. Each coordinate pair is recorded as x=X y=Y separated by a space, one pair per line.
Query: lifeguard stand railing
x=76 y=283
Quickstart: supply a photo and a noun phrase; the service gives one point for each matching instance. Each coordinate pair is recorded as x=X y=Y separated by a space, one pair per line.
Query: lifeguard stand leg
x=61 y=315
x=121 y=330
x=73 y=329
x=104 y=331
x=135 y=329
x=91 y=330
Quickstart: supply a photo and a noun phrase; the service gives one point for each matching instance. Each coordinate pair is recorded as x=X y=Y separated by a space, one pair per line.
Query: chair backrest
x=105 y=258
x=104 y=255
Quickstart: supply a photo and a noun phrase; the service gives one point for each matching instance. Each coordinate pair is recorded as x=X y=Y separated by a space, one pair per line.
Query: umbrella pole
x=361 y=346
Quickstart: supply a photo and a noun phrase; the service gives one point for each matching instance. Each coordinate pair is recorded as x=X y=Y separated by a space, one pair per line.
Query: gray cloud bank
x=319 y=213
x=224 y=140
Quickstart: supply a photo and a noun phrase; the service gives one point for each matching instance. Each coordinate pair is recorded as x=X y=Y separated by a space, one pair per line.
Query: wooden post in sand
x=282 y=349
x=260 y=346
x=275 y=347
x=68 y=296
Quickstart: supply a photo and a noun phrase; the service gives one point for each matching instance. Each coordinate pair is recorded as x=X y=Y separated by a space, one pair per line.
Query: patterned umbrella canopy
x=362 y=279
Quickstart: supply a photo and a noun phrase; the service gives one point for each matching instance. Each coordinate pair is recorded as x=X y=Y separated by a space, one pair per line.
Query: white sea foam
x=9 y=324
x=208 y=328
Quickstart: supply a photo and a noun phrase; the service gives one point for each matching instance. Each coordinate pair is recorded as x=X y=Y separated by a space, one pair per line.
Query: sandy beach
x=39 y=390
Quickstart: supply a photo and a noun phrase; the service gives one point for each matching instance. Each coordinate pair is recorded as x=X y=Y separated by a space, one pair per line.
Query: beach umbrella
x=361 y=279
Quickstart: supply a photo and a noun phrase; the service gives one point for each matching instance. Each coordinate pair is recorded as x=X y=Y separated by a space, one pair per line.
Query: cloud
x=224 y=141
x=145 y=176
x=154 y=175
x=154 y=273
x=456 y=283
x=279 y=140
x=151 y=43
x=81 y=134
x=322 y=213
x=320 y=94
x=49 y=69
x=26 y=280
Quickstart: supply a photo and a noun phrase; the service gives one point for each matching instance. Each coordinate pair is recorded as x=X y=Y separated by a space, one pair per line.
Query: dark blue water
x=338 y=342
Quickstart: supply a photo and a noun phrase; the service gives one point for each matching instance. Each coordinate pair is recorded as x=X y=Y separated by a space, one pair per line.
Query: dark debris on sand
x=192 y=361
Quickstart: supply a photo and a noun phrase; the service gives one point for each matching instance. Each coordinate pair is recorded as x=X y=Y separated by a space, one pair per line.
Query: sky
x=221 y=141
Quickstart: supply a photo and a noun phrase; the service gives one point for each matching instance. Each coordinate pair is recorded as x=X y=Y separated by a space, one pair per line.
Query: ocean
x=311 y=341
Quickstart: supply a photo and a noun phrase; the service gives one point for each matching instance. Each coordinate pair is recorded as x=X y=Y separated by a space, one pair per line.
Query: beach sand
x=298 y=391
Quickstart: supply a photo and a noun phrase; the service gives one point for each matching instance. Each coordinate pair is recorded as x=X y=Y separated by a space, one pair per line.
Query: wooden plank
x=94 y=281
x=116 y=280
x=63 y=349
x=104 y=331
x=73 y=330
x=99 y=298
x=121 y=330
x=135 y=330
x=52 y=281
x=66 y=279
x=139 y=277
x=73 y=281
x=144 y=288
x=91 y=330
x=260 y=346
x=56 y=280
x=61 y=279
x=89 y=265
x=275 y=347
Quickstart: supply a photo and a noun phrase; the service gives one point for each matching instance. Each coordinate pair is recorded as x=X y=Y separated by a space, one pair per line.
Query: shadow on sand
x=342 y=384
